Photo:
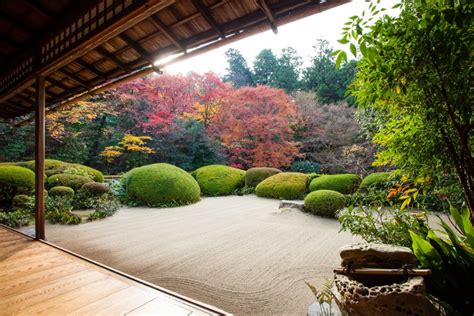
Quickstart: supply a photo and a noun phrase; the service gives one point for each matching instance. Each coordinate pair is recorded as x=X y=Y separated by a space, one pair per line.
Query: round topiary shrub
x=342 y=183
x=324 y=202
x=53 y=166
x=23 y=201
x=254 y=176
x=48 y=164
x=61 y=191
x=95 y=188
x=373 y=179
x=285 y=185
x=15 y=180
x=161 y=185
x=68 y=180
x=216 y=180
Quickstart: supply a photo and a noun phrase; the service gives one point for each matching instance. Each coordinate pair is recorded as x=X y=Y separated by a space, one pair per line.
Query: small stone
x=292 y=204
x=370 y=255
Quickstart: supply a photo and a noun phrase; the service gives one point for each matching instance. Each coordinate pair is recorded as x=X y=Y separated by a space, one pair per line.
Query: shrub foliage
x=324 y=202
x=285 y=185
x=342 y=183
x=254 y=176
x=216 y=180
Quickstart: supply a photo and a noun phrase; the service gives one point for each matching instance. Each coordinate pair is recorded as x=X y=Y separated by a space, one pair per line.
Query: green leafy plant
x=383 y=225
x=450 y=256
x=58 y=210
x=15 y=219
x=323 y=297
x=305 y=166
x=105 y=206
x=324 y=202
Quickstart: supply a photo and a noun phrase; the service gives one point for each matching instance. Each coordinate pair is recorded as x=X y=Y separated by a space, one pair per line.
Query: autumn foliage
x=254 y=127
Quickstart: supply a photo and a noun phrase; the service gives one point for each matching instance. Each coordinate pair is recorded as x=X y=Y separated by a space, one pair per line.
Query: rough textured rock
x=370 y=255
x=405 y=298
x=292 y=204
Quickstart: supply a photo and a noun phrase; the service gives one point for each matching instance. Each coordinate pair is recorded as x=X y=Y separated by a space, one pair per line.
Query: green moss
x=161 y=185
x=216 y=180
x=15 y=180
x=342 y=183
x=94 y=174
x=254 y=176
x=285 y=185
x=68 y=180
x=95 y=188
x=373 y=180
x=61 y=191
x=324 y=203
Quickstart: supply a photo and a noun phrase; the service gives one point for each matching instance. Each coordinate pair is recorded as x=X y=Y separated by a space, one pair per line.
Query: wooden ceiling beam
x=167 y=32
x=265 y=7
x=74 y=77
x=137 y=47
x=40 y=9
x=111 y=57
x=90 y=68
x=57 y=83
x=206 y=14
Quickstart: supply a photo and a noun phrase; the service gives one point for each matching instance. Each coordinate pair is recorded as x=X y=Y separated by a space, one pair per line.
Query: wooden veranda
x=54 y=53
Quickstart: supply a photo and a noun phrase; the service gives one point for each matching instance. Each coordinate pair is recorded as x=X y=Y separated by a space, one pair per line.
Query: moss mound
x=61 y=191
x=161 y=185
x=324 y=202
x=15 y=180
x=216 y=180
x=95 y=188
x=73 y=181
x=373 y=180
x=254 y=176
x=342 y=183
x=53 y=167
x=285 y=185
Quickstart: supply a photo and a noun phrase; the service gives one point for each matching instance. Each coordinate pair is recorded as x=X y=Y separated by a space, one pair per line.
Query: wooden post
x=39 y=157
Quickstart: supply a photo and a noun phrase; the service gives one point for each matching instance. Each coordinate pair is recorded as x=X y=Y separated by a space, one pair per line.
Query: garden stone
x=398 y=299
x=292 y=204
x=369 y=255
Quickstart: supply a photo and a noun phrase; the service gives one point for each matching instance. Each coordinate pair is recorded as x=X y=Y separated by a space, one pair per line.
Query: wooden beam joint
x=206 y=14
x=265 y=7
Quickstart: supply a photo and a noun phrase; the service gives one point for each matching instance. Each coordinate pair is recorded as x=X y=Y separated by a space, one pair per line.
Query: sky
x=301 y=35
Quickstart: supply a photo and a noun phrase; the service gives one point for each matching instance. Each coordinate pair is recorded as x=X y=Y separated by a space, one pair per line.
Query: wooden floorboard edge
x=204 y=306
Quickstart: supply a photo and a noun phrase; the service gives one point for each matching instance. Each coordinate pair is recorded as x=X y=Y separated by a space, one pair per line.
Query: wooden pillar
x=39 y=157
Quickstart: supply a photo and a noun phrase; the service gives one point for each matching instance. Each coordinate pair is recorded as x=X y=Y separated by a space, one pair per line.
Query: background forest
x=274 y=113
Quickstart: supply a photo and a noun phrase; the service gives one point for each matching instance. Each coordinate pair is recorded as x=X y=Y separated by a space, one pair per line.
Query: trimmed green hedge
x=254 y=176
x=216 y=180
x=285 y=185
x=161 y=185
x=61 y=191
x=373 y=179
x=22 y=201
x=53 y=167
x=68 y=180
x=95 y=188
x=15 y=180
x=342 y=183
x=324 y=202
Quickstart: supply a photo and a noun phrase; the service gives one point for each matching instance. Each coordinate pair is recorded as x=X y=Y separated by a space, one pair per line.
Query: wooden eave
x=84 y=47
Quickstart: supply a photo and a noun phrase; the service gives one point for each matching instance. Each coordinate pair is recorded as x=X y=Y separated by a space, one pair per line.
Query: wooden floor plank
x=36 y=278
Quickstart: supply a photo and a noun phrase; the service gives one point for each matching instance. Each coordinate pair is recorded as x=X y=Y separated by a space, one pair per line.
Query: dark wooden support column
x=39 y=157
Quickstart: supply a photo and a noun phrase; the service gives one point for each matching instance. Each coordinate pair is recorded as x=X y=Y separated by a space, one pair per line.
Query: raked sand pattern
x=239 y=253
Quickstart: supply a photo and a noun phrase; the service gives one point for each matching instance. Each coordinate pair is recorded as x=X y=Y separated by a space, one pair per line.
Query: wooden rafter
x=40 y=9
x=113 y=58
x=265 y=7
x=74 y=77
x=167 y=32
x=206 y=14
x=57 y=83
x=16 y=22
x=89 y=67
x=139 y=49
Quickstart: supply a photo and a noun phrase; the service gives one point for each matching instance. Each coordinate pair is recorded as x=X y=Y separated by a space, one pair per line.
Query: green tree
x=416 y=73
x=264 y=67
x=238 y=72
x=323 y=77
x=287 y=75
